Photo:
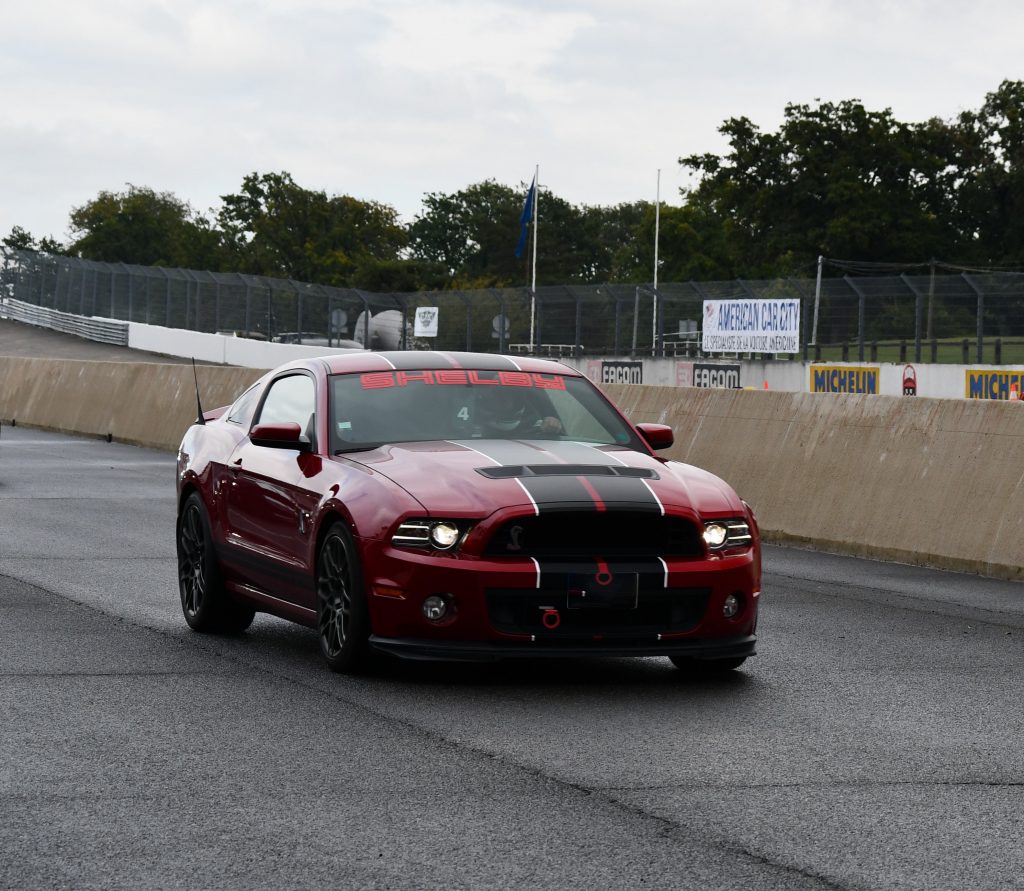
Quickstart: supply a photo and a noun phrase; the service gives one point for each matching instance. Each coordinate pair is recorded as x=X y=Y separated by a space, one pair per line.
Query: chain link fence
x=967 y=317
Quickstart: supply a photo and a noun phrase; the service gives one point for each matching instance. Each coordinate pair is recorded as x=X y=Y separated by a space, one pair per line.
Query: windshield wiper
x=365 y=447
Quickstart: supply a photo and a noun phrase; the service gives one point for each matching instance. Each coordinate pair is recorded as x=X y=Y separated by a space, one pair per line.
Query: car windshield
x=373 y=408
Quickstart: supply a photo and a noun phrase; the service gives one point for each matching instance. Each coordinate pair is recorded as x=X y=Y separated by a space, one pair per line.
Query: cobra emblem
x=515 y=533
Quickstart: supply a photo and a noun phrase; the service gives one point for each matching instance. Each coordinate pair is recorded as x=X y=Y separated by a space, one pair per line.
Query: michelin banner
x=751 y=326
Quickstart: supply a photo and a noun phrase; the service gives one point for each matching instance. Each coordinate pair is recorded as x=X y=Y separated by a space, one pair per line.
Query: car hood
x=476 y=477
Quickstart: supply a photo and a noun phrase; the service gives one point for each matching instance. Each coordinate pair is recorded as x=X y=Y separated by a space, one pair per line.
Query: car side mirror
x=279 y=436
x=657 y=436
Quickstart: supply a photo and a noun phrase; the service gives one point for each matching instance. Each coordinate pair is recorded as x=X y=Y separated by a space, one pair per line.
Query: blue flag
x=525 y=217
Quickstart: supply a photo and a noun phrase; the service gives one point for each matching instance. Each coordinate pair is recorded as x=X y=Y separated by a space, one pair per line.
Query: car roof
x=407 y=360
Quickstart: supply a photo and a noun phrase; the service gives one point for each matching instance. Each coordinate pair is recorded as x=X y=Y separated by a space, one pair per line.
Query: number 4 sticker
x=463 y=414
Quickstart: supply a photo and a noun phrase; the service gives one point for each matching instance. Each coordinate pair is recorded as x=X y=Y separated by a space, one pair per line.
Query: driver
x=504 y=411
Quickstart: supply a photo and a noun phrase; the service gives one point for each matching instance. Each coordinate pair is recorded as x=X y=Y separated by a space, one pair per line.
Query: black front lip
x=546 y=648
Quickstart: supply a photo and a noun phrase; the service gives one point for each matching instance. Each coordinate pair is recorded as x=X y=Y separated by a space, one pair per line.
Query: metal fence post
x=167 y=306
x=615 y=340
x=538 y=340
x=980 y=321
x=578 y=347
x=860 y=316
x=918 y=313
x=248 y=304
x=636 y=319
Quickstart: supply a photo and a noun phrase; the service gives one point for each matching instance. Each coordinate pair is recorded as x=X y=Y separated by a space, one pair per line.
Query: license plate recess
x=602 y=590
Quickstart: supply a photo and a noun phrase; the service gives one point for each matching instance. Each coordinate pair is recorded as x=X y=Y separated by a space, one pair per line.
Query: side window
x=291 y=399
x=241 y=411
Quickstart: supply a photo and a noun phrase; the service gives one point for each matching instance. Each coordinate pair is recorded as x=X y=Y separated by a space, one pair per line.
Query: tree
x=273 y=226
x=21 y=239
x=992 y=178
x=145 y=227
x=692 y=245
x=472 y=235
x=836 y=179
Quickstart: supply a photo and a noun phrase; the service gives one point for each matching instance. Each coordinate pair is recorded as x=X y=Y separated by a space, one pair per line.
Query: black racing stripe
x=484 y=363
x=505 y=452
x=548 y=490
x=416 y=361
x=615 y=491
x=580 y=453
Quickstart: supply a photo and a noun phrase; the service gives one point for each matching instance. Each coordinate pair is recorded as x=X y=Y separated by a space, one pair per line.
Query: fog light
x=435 y=608
x=731 y=606
x=444 y=535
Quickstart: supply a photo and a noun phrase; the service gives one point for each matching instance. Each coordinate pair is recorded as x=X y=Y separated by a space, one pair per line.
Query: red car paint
x=269 y=507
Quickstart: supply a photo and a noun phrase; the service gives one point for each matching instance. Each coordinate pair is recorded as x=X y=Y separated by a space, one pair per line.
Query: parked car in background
x=459 y=506
x=308 y=338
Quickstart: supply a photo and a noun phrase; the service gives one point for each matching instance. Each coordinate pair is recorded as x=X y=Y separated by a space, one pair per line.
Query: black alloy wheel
x=206 y=604
x=342 y=621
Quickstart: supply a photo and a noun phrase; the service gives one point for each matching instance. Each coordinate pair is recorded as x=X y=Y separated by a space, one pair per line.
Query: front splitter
x=547 y=648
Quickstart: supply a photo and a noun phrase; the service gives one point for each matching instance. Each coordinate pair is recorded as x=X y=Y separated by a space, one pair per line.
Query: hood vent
x=517 y=471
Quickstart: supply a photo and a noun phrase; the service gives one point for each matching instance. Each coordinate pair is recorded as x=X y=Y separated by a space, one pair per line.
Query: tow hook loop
x=551 y=619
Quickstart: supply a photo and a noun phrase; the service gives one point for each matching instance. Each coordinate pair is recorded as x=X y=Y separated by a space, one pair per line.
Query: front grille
x=573 y=535
x=658 y=611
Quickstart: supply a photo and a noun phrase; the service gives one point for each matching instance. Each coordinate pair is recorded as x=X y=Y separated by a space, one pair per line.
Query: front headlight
x=444 y=535
x=441 y=535
x=732 y=533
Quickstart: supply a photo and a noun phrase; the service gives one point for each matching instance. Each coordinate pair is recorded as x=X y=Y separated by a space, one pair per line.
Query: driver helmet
x=502 y=408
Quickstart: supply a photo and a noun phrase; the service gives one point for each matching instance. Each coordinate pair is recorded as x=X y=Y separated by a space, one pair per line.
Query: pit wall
x=143 y=404
x=930 y=481
x=939 y=381
x=873 y=378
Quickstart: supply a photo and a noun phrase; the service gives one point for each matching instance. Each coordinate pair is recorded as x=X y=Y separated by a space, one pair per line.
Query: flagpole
x=533 y=276
x=657 y=227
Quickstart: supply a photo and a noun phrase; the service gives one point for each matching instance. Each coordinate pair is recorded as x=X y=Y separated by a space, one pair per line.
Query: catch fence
x=967 y=317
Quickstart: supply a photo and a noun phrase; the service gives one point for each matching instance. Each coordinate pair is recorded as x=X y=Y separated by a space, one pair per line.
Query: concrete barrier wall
x=145 y=404
x=938 y=381
x=931 y=481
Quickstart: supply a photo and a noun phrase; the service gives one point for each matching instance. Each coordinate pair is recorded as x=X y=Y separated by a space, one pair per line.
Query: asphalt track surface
x=874 y=742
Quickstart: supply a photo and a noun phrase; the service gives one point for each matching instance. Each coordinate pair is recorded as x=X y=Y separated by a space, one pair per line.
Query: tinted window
x=411 y=406
x=290 y=399
x=241 y=411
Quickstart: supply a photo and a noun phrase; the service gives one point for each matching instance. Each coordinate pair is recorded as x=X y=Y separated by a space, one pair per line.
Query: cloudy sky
x=389 y=99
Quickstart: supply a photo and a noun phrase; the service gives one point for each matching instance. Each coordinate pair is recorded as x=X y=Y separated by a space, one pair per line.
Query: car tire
x=206 y=604
x=706 y=667
x=342 y=619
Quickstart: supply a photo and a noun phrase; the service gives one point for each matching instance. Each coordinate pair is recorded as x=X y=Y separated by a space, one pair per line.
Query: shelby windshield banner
x=751 y=326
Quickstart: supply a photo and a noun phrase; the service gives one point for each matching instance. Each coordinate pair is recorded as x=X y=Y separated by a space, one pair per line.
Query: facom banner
x=751 y=326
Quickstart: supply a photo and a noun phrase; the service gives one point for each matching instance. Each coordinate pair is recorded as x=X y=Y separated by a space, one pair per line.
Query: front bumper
x=476 y=651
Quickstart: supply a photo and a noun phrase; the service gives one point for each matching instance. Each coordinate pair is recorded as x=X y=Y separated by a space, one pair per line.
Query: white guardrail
x=90 y=327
